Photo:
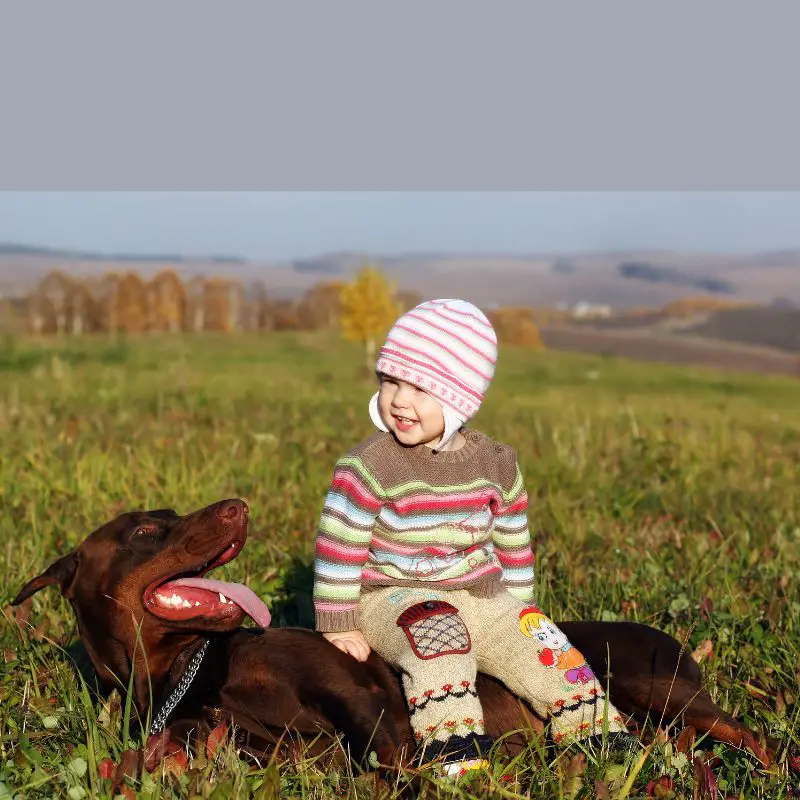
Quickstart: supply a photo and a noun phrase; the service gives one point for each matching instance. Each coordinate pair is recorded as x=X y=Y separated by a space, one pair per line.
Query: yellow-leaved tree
x=368 y=309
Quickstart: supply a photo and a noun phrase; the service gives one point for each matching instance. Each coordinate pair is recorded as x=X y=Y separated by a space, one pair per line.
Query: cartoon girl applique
x=558 y=652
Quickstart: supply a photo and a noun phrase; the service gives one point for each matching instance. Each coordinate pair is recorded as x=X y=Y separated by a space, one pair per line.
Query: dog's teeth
x=197 y=602
x=222 y=598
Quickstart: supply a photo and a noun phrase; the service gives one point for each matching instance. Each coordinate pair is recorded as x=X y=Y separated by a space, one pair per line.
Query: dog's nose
x=233 y=510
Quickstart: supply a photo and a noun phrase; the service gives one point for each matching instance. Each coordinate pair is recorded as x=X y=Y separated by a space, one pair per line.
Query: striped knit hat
x=449 y=349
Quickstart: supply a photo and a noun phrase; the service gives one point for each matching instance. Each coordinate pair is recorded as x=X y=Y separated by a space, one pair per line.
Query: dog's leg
x=366 y=719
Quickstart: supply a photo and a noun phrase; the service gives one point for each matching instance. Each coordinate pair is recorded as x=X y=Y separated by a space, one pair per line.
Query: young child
x=424 y=555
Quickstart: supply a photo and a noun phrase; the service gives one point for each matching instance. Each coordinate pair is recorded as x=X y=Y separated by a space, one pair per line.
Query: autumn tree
x=321 y=306
x=49 y=307
x=132 y=304
x=284 y=315
x=255 y=300
x=223 y=305
x=368 y=310
x=195 y=291
x=166 y=302
x=516 y=326
x=106 y=295
x=81 y=309
x=237 y=306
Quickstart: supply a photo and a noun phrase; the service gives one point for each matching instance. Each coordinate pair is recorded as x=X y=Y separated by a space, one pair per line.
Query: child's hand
x=351 y=642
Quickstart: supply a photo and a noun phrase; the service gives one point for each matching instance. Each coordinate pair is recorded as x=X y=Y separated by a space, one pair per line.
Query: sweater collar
x=422 y=452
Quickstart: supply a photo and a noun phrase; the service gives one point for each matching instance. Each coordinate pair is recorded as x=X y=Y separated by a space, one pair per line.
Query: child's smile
x=405 y=424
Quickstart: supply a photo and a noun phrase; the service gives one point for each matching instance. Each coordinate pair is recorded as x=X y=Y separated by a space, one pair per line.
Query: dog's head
x=138 y=582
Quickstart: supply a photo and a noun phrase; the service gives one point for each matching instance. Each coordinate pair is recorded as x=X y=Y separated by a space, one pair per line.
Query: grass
x=658 y=494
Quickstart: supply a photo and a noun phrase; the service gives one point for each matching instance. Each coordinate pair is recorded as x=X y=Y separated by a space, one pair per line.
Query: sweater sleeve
x=344 y=535
x=512 y=539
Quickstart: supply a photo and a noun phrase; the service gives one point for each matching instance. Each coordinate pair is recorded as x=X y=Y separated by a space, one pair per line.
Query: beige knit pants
x=439 y=640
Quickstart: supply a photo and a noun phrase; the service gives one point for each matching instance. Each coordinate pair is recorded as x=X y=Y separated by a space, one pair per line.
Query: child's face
x=411 y=414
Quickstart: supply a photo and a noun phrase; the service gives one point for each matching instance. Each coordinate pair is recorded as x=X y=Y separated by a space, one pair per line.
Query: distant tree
x=516 y=326
x=284 y=315
x=82 y=309
x=132 y=304
x=106 y=295
x=194 y=318
x=216 y=305
x=237 y=306
x=369 y=308
x=254 y=298
x=166 y=302
x=321 y=306
x=265 y=312
x=50 y=304
x=698 y=304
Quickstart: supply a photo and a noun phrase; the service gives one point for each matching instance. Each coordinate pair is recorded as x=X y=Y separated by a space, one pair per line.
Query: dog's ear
x=62 y=572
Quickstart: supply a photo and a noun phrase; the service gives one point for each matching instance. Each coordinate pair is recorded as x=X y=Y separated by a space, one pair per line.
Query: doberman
x=144 y=607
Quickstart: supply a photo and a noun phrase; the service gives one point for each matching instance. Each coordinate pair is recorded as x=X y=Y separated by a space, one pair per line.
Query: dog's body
x=279 y=685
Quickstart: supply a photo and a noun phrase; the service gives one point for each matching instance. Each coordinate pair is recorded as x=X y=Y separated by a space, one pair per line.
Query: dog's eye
x=146 y=530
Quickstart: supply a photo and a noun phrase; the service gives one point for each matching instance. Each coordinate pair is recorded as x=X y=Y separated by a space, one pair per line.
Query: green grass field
x=663 y=495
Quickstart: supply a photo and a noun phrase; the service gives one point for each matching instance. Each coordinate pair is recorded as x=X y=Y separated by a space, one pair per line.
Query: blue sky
x=285 y=225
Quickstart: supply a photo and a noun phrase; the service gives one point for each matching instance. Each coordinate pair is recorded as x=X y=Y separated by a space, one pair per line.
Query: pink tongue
x=245 y=598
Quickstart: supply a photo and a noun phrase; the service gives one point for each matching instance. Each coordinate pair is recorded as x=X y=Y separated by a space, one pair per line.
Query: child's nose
x=403 y=395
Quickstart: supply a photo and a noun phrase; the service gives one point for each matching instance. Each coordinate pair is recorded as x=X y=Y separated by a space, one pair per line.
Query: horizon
x=46 y=250
x=281 y=227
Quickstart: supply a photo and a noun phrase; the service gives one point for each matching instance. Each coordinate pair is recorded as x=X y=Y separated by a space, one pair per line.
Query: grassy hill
x=662 y=494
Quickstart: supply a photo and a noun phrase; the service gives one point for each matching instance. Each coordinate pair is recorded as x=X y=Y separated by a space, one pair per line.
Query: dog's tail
x=689 y=701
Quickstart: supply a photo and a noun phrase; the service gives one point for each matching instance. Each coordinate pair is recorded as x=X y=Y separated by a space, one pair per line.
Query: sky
x=281 y=226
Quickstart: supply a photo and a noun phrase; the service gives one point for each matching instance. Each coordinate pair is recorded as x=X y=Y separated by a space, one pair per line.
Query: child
x=424 y=555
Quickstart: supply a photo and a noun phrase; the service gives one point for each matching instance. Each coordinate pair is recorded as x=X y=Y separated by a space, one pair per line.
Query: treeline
x=127 y=303
x=363 y=310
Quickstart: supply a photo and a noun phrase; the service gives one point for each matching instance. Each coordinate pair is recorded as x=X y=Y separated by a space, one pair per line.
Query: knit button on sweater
x=409 y=516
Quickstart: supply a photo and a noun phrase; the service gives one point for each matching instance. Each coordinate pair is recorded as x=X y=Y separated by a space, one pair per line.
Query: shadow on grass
x=295 y=607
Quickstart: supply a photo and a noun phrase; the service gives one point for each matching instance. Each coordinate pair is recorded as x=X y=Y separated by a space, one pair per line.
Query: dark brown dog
x=282 y=685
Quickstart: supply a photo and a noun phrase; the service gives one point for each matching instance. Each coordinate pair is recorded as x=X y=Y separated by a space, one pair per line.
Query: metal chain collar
x=179 y=691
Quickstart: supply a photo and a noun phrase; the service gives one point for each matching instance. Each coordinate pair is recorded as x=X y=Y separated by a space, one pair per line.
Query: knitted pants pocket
x=434 y=629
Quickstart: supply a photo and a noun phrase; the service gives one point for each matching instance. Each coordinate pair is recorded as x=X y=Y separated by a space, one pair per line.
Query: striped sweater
x=408 y=516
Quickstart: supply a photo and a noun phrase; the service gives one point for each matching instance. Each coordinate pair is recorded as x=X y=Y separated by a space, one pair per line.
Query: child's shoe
x=461 y=756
